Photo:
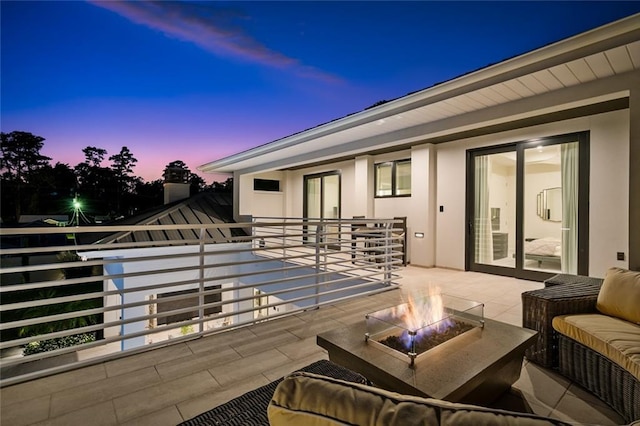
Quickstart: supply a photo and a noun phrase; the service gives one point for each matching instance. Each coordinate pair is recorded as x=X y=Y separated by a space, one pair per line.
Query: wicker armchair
x=572 y=294
x=604 y=378
x=563 y=294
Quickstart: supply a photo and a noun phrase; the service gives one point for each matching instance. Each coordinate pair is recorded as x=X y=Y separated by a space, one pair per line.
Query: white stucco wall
x=155 y=270
x=609 y=176
x=609 y=191
x=263 y=203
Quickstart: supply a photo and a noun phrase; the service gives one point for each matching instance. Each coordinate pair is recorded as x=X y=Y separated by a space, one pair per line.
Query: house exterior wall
x=609 y=180
x=262 y=203
x=438 y=181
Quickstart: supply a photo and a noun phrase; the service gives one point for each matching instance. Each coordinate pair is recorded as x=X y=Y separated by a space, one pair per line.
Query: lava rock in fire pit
x=425 y=342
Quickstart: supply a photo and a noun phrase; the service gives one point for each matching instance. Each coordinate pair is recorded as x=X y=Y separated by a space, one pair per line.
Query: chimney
x=176 y=184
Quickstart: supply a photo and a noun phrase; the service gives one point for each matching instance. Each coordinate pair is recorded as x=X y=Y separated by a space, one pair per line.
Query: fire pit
x=413 y=328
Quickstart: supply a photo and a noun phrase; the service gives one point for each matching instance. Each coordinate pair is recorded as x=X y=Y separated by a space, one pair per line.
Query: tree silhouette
x=20 y=158
x=94 y=156
x=97 y=184
x=30 y=184
x=122 y=165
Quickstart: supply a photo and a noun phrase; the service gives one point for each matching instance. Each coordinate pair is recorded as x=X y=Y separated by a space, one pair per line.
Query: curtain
x=569 y=172
x=483 y=235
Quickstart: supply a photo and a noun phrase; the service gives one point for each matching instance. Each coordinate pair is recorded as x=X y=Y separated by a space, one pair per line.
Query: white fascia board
x=578 y=46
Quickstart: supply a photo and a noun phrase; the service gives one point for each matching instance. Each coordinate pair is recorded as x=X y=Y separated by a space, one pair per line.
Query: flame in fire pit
x=422 y=315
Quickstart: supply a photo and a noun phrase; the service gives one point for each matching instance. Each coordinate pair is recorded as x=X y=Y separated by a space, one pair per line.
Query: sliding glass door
x=322 y=200
x=527 y=208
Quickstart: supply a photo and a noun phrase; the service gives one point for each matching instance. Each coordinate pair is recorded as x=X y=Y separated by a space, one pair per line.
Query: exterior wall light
x=418 y=234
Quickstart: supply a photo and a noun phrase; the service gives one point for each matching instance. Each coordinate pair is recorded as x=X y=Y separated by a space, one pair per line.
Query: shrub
x=57 y=343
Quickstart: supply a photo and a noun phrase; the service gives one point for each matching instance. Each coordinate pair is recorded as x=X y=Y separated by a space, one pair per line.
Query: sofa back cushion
x=620 y=295
x=312 y=400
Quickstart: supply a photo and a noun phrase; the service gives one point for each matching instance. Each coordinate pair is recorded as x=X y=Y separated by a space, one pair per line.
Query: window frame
x=394 y=178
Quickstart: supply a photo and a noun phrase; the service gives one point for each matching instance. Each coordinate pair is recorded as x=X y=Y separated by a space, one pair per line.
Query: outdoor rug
x=251 y=408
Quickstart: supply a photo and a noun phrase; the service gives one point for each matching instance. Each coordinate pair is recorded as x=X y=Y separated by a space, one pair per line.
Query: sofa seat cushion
x=617 y=339
x=313 y=400
x=620 y=295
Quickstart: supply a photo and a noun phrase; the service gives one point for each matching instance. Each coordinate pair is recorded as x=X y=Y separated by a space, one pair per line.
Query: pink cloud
x=205 y=27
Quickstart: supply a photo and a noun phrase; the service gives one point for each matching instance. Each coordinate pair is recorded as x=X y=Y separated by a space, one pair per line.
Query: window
x=393 y=178
x=165 y=306
x=266 y=185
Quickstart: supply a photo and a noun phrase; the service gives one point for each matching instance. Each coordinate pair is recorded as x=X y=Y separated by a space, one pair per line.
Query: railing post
x=284 y=241
x=387 y=253
x=318 y=241
x=203 y=233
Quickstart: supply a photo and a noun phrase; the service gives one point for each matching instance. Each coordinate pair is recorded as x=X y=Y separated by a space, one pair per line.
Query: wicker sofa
x=589 y=330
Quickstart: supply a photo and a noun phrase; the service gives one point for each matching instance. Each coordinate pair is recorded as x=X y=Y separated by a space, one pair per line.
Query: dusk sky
x=197 y=81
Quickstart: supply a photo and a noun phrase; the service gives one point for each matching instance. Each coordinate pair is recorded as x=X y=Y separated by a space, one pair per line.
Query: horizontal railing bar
x=114 y=229
x=101 y=358
x=94 y=295
x=90 y=328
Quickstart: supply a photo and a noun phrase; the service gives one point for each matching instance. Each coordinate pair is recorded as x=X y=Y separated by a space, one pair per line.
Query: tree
x=226 y=186
x=149 y=194
x=196 y=184
x=20 y=158
x=123 y=162
x=94 y=156
x=97 y=184
x=122 y=165
x=51 y=188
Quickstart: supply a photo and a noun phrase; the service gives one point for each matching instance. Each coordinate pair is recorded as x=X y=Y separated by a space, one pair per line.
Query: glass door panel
x=550 y=222
x=313 y=203
x=331 y=206
x=494 y=209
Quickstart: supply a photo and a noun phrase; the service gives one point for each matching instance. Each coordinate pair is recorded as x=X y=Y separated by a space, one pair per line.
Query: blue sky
x=197 y=81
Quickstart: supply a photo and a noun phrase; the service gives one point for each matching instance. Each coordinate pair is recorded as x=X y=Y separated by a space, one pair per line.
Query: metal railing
x=80 y=295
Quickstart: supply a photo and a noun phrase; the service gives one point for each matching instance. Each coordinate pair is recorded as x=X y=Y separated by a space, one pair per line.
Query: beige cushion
x=312 y=400
x=620 y=295
x=618 y=340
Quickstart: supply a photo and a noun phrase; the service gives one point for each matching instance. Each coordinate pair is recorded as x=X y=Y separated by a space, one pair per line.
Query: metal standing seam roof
x=206 y=208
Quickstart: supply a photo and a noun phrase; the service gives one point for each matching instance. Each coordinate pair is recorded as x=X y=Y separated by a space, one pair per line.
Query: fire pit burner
x=415 y=327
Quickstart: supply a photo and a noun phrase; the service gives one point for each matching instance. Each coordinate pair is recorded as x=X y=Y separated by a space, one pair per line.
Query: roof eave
x=606 y=36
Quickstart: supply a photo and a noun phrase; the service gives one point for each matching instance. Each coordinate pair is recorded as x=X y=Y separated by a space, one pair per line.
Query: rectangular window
x=266 y=185
x=403 y=178
x=164 y=306
x=393 y=178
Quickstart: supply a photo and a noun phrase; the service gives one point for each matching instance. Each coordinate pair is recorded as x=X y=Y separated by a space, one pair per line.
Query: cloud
x=208 y=28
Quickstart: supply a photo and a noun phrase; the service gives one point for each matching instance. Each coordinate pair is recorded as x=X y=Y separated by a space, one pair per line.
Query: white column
x=364 y=191
x=423 y=206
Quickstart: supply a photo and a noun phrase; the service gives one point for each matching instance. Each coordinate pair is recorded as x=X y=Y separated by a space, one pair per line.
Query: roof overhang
x=589 y=73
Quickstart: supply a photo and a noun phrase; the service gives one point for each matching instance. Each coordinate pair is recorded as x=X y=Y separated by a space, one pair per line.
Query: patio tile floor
x=168 y=385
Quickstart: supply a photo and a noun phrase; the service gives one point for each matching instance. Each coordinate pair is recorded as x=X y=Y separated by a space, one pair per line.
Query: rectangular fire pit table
x=476 y=367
